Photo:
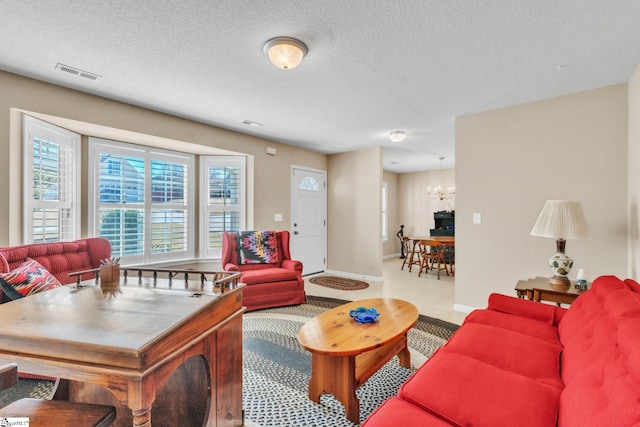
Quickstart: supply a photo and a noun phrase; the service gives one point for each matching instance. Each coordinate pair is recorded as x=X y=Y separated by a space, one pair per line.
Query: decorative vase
x=560 y=265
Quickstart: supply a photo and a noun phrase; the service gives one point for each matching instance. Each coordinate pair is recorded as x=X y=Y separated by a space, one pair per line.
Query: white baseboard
x=355 y=276
x=391 y=256
x=463 y=308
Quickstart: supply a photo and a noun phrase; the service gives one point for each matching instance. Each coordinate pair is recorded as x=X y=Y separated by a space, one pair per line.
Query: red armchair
x=269 y=284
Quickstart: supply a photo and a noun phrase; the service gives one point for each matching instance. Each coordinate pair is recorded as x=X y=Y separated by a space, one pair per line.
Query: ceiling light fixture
x=285 y=53
x=438 y=192
x=397 y=136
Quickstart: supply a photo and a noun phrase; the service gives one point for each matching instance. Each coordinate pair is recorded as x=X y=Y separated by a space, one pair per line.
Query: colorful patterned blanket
x=258 y=247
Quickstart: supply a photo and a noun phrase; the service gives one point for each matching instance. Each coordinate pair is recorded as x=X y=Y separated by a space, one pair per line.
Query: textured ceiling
x=373 y=66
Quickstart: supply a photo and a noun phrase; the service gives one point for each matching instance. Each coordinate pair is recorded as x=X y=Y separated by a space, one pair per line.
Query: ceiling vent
x=251 y=123
x=76 y=71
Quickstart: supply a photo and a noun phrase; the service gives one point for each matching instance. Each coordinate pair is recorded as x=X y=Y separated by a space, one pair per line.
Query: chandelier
x=438 y=192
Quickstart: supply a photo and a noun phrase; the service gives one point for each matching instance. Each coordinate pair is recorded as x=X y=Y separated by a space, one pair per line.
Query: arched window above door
x=309 y=184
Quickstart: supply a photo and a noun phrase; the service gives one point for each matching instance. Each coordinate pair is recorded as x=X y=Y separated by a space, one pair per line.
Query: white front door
x=309 y=219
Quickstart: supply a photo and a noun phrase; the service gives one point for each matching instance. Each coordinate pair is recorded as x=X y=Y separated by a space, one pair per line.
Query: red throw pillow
x=30 y=278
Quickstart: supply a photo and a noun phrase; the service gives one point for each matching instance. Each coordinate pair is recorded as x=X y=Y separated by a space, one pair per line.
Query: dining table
x=449 y=241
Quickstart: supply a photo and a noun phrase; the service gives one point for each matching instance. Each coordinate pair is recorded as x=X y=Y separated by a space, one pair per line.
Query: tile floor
x=433 y=297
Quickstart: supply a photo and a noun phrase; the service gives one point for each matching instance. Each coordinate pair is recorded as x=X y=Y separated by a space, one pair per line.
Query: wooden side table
x=539 y=289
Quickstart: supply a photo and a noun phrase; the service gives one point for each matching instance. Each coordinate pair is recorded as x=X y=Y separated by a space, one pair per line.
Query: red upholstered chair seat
x=268 y=275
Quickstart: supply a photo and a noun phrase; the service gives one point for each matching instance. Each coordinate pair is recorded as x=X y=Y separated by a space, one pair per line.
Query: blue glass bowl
x=364 y=315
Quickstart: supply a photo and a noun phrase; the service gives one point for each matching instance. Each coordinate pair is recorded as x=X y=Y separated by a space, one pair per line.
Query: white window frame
x=220 y=161
x=68 y=180
x=149 y=154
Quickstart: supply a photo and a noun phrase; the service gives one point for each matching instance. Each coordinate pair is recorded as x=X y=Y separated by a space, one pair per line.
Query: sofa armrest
x=525 y=308
x=231 y=267
x=292 y=265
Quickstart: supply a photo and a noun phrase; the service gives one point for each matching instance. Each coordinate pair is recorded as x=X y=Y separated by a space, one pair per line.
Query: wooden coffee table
x=345 y=353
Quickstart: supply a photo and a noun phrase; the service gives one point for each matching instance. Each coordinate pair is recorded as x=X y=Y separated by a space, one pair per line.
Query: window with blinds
x=141 y=200
x=51 y=184
x=222 y=187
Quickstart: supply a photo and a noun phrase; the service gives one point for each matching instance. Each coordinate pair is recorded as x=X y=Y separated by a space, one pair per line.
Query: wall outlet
x=277 y=217
x=477 y=218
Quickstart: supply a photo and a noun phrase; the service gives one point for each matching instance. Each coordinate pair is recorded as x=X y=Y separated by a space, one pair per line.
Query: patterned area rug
x=26 y=387
x=277 y=368
x=336 y=282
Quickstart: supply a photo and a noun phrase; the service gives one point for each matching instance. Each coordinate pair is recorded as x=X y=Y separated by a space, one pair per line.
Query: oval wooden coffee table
x=345 y=353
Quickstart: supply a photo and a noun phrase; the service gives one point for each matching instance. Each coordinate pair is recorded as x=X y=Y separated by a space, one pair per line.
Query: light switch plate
x=477 y=218
x=277 y=217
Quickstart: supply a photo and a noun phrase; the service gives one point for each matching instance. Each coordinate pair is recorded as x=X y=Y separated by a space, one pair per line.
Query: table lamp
x=561 y=220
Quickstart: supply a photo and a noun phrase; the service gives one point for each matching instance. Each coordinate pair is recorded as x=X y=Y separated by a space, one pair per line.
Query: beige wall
x=509 y=161
x=271 y=183
x=416 y=208
x=354 y=215
x=634 y=175
x=391 y=247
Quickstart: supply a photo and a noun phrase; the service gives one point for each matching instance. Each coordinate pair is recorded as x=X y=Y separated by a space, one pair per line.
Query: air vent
x=250 y=123
x=77 y=71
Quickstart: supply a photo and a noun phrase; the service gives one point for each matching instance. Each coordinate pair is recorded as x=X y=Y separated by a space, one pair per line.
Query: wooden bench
x=57 y=413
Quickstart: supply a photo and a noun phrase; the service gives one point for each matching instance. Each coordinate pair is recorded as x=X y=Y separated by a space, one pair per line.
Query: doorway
x=309 y=218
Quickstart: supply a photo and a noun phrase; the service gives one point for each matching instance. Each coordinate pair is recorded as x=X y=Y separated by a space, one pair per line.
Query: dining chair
x=450 y=256
x=45 y=413
x=412 y=252
x=437 y=257
x=425 y=249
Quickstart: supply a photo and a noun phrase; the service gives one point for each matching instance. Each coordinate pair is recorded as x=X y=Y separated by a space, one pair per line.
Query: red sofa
x=524 y=363
x=59 y=258
x=268 y=285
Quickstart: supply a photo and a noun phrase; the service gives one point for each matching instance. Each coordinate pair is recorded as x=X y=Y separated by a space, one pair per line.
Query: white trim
x=396 y=255
x=355 y=276
x=464 y=308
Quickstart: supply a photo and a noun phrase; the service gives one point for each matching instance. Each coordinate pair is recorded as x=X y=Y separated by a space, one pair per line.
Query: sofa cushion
x=607 y=388
x=29 y=278
x=523 y=325
x=267 y=275
x=510 y=351
x=258 y=247
x=587 y=308
x=597 y=334
x=465 y=391
x=396 y=411
x=522 y=308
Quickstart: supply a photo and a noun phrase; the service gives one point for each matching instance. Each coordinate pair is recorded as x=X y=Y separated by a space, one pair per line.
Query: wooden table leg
x=404 y=355
x=335 y=375
x=142 y=417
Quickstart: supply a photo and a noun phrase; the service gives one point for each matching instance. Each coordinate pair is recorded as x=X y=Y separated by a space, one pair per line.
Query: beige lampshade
x=285 y=53
x=561 y=219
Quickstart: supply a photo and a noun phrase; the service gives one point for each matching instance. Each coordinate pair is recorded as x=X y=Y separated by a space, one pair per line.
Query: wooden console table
x=148 y=349
x=539 y=289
